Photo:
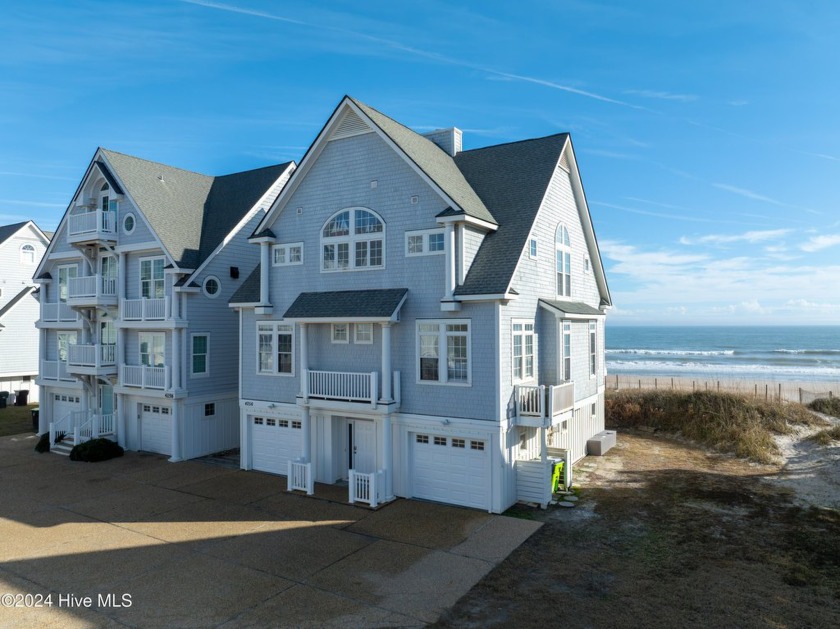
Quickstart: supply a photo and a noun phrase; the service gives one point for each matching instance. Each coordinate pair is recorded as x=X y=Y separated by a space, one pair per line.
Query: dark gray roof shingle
x=571 y=307
x=7 y=231
x=512 y=180
x=348 y=304
x=249 y=292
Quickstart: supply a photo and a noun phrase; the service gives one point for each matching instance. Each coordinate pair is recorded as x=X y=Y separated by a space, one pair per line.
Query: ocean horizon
x=783 y=353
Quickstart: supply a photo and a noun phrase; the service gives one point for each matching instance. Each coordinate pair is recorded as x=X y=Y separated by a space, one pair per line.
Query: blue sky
x=707 y=133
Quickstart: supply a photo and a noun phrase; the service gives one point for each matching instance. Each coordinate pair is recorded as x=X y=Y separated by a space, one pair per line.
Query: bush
x=724 y=421
x=43 y=444
x=826 y=406
x=827 y=437
x=96 y=450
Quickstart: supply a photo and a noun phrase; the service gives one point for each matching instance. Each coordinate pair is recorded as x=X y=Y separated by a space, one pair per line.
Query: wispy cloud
x=748 y=237
x=676 y=217
x=31 y=203
x=660 y=95
x=749 y=194
x=824 y=241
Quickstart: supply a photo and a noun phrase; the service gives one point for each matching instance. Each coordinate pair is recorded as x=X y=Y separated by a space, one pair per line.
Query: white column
x=176 y=432
x=121 y=278
x=176 y=358
x=265 y=262
x=119 y=420
x=388 y=457
x=304 y=363
x=387 y=390
x=306 y=425
x=451 y=252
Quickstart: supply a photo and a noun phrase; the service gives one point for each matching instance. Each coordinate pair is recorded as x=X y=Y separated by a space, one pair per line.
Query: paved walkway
x=195 y=545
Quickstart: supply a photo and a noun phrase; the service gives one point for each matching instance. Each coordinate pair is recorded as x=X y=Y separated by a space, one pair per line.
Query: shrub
x=724 y=421
x=827 y=436
x=96 y=450
x=826 y=406
x=43 y=444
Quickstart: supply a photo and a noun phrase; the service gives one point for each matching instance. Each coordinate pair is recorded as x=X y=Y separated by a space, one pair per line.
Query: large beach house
x=137 y=341
x=424 y=321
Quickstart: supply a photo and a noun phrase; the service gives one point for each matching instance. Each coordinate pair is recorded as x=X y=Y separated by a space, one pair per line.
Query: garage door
x=454 y=470
x=156 y=429
x=274 y=442
x=64 y=404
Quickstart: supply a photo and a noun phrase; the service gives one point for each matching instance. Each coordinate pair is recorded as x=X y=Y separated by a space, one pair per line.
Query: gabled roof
x=249 y=292
x=7 y=231
x=14 y=300
x=512 y=179
x=348 y=305
x=190 y=213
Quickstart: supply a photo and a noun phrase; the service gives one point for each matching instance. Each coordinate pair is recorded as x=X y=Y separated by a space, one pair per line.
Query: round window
x=128 y=223
x=211 y=286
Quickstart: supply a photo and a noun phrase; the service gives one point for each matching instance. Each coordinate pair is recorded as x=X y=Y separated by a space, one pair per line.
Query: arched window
x=27 y=254
x=104 y=196
x=353 y=239
x=563 y=254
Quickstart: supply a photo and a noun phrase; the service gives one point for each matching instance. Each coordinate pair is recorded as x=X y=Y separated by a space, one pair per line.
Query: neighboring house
x=21 y=247
x=136 y=338
x=425 y=321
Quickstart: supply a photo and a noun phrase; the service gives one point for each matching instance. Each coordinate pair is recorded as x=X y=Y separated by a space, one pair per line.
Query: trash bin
x=35 y=413
x=4 y=396
x=21 y=397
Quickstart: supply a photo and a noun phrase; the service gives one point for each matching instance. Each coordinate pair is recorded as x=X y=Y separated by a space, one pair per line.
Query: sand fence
x=790 y=391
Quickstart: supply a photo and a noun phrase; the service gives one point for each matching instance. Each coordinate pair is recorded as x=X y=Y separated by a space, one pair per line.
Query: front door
x=362 y=436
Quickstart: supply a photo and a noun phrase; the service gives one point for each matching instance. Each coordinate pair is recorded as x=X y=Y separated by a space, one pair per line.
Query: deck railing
x=300 y=477
x=530 y=400
x=543 y=402
x=94 y=427
x=92 y=286
x=343 y=385
x=91 y=223
x=97 y=355
x=562 y=397
x=55 y=370
x=144 y=376
x=145 y=309
x=58 y=311
x=365 y=487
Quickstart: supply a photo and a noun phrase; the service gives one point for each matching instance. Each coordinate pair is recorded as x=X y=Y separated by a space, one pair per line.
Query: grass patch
x=724 y=421
x=15 y=420
x=826 y=406
x=826 y=437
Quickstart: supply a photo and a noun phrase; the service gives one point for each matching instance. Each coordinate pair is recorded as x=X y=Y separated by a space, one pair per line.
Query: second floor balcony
x=146 y=309
x=98 y=359
x=145 y=377
x=355 y=387
x=58 y=312
x=92 y=290
x=93 y=226
x=539 y=405
x=55 y=370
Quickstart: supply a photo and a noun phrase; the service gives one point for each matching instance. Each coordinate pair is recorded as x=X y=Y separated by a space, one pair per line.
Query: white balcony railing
x=300 y=477
x=58 y=312
x=562 y=397
x=55 y=370
x=92 y=286
x=145 y=309
x=144 y=377
x=543 y=402
x=97 y=355
x=94 y=426
x=96 y=223
x=530 y=400
x=343 y=385
x=365 y=487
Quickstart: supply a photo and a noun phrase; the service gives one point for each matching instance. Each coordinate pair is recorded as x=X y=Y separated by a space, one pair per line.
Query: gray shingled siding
x=141 y=232
x=472 y=243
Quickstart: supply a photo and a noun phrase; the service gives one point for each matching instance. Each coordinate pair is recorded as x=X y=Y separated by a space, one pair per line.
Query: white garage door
x=273 y=442
x=156 y=429
x=454 y=470
x=64 y=404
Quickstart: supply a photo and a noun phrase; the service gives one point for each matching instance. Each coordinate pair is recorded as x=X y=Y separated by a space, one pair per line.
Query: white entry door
x=156 y=429
x=363 y=446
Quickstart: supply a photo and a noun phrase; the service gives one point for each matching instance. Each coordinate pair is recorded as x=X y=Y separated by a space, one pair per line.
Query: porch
x=537 y=406
x=97 y=225
x=360 y=489
x=77 y=427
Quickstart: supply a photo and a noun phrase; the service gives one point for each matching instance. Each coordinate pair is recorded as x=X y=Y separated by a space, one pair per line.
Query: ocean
x=784 y=353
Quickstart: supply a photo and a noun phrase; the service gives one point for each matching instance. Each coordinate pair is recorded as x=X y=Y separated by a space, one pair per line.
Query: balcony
x=55 y=370
x=346 y=386
x=93 y=290
x=97 y=360
x=145 y=377
x=539 y=405
x=98 y=225
x=146 y=309
x=58 y=312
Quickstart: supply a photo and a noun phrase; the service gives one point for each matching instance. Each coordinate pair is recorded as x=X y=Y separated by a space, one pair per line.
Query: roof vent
x=447 y=139
x=350 y=125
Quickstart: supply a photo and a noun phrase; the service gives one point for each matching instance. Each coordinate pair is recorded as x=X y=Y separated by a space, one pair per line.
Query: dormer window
x=353 y=239
x=563 y=252
x=27 y=255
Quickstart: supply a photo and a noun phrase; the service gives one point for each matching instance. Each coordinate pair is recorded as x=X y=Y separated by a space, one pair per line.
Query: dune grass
x=726 y=422
x=826 y=406
x=826 y=437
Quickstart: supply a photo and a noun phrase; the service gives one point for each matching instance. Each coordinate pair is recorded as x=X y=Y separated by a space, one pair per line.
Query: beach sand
x=791 y=391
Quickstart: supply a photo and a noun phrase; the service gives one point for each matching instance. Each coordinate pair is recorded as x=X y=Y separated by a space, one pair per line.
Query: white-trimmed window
x=65 y=340
x=287 y=254
x=152 y=349
x=275 y=348
x=65 y=274
x=424 y=242
x=443 y=352
x=353 y=239
x=340 y=333
x=104 y=196
x=27 y=254
x=563 y=255
x=211 y=286
x=363 y=333
x=151 y=278
x=532 y=248
x=523 y=350
x=593 y=354
x=200 y=348
x=129 y=223
x=566 y=358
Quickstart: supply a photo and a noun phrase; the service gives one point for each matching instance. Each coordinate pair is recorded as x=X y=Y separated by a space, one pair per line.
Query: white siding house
x=136 y=339
x=425 y=321
x=22 y=246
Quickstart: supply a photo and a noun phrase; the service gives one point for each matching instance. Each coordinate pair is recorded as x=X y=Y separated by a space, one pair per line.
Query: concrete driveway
x=153 y=543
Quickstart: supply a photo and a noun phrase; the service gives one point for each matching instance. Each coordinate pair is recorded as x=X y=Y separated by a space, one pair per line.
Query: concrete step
x=63 y=448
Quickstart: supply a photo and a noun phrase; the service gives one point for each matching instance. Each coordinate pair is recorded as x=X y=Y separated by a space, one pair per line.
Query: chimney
x=447 y=139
